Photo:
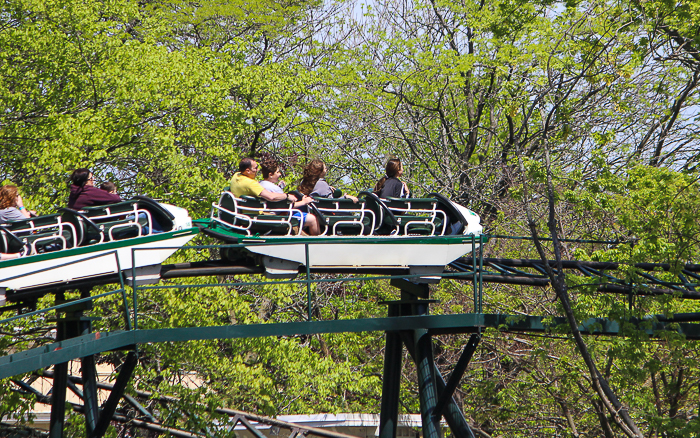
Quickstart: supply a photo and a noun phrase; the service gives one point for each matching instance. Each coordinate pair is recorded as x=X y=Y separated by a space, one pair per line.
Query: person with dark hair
x=243 y=183
x=11 y=204
x=83 y=192
x=313 y=183
x=109 y=186
x=272 y=173
x=389 y=186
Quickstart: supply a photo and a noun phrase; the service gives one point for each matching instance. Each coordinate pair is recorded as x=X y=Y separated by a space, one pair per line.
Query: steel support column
x=58 y=391
x=391 y=381
x=58 y=400
x=89 y=375
x=415 y=301
x=427 y=390
x=453 y=413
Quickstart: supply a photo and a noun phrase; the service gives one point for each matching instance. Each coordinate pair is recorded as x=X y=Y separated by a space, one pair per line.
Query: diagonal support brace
x=457 y=373
x=453 y=415
x=112 y=402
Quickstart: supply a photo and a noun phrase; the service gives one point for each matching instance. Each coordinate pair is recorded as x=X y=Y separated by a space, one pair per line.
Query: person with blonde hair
x=11 y=204
x=390 y=186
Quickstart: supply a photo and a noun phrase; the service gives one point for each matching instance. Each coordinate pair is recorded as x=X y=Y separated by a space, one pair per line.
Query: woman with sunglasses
x=83 y=192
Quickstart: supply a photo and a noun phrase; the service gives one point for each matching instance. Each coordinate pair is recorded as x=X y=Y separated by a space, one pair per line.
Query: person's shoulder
x=393 y=182
x=267 y=185
x=248 y=186
x=252 y=182
x=10 y=214
x=321 y=187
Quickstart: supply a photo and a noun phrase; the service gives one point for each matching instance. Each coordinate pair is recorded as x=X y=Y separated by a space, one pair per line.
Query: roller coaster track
x=493 y=270
x=512 y=271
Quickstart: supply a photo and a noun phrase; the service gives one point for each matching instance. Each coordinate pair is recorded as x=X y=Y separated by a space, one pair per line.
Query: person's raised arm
x=20 y=206
x=270 y=196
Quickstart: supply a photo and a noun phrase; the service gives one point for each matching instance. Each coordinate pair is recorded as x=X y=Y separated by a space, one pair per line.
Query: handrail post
x=474 y=276
x=481 y=273
x=308 y=280
x=127 y=318
x=134 y=288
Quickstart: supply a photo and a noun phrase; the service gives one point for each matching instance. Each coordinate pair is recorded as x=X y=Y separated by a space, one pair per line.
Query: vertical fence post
x=481 y=269
x=474 y=275
x=134 y=288
x=308 y=280
x=127 y=317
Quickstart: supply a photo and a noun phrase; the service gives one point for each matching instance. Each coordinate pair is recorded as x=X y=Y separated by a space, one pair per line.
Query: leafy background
x=502 y=106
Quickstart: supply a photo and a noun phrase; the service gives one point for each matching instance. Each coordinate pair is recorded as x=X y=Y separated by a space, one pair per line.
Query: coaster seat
x=251 y=215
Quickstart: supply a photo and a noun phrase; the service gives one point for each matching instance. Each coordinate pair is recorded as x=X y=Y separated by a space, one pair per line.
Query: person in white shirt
x=272 y=173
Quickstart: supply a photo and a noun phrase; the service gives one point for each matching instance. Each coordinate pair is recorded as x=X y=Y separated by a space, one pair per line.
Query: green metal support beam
x=427 y=388
x=58 y=400
x=452 y=412
x=115 y=395
x=391 y=381
x=89 y=373
x=457 y=373
x=98 y=342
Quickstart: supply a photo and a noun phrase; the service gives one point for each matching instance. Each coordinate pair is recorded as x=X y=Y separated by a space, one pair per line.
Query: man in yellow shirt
x=243 y=183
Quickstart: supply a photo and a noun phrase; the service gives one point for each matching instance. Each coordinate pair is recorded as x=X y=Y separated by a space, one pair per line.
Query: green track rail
x=98 y=342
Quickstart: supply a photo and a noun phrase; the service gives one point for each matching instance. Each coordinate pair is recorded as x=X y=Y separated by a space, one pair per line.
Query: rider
x=83 y=192
x=12 y=205
x=243 y=183
x=272 y=173
x=313 y=183
x=390 y=185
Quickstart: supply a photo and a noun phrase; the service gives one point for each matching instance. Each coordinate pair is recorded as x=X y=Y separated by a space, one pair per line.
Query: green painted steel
x=457 y=373
x=391 y=381
x=90 y=402
x=58 y=401
x=436 y=324
x=456 y=275
x=549 y=239
x=427 y=388
x=308 y=280
x=61 y=306
x=115 y=395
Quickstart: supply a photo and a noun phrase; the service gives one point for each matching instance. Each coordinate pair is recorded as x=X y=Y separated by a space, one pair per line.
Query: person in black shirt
x=390 y=185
